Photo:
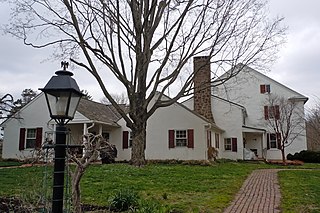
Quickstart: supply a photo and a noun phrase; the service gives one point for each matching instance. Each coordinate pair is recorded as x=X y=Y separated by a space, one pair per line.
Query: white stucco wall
x=244 y=89
x=229 y=118
x=31 y=117
x=173 y=117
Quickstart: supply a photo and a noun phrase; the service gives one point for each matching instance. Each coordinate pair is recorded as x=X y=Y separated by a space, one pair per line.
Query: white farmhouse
x=228 y=119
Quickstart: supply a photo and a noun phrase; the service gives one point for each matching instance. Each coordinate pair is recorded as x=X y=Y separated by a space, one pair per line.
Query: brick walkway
x=259 y=193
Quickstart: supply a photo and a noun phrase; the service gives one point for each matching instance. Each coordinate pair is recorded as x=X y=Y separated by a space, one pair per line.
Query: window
x=106 y=135
x=217 y=140
x=264 y=88
x=30 y=138
x=181 y=138
x=272 y=112
x=273 y=141
x=227 y=144
x=230 y=144
x=126 y=139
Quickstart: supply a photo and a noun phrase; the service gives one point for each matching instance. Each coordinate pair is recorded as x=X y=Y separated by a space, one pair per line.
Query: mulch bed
x=288 y=162
x=14 y=205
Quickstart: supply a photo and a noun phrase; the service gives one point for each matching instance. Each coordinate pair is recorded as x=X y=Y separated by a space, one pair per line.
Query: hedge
x=305 y=156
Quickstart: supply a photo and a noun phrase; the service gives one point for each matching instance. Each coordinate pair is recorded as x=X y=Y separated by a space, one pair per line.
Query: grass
x=9 y=163
x=300 y=190
x=185 y=188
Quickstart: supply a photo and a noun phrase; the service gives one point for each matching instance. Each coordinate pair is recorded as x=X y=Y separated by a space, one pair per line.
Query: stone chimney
x=202 y=86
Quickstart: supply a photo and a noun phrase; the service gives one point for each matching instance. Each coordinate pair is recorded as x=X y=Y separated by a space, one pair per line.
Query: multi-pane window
x=264 y=88
x=227 y=144
x=272 y=112
x=31 y=138
x=230 y=144
x=272 y=141
x=181 y=137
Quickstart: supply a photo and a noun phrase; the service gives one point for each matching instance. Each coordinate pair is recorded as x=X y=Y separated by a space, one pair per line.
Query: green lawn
x=185 y=188
x=300 y=190
x=9 y=163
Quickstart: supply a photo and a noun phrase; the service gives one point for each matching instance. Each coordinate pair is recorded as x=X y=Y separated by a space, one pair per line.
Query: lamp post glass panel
x=62 y=95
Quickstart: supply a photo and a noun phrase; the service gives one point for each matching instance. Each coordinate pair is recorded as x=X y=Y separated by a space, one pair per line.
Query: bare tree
x=6 y=105
x=285 y=120
x=92 y=146
x=118 y=98
x=148 y=45
x=313 y=127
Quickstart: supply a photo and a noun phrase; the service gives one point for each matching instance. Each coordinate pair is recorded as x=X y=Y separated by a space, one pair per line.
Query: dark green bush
x=305 y=156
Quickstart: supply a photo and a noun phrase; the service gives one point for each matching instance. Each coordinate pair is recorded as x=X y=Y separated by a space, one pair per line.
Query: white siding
x=228 y=117
x=173 y=117
x=33 y=115
x=244 y=89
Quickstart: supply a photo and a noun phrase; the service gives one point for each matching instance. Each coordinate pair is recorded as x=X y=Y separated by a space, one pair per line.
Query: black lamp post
x=62 y=95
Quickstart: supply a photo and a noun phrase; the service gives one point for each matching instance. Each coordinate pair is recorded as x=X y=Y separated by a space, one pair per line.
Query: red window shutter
x=234 y=143
x=125 y=139
x=277 y=112
x=262 y=89
x=278 y=135
x=190 y=138
x=22 y=138
x=38 y=138
x=268 y=141
x=171 y=138
x=266 y=112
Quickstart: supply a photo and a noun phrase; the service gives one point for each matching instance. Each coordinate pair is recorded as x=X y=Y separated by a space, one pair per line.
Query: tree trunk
x=138 y=145
x=76 y=192
x=283 y=155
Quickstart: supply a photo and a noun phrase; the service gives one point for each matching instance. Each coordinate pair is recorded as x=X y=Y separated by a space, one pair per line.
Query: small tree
x=285 y=119
x=92 y=145
x=26 y=96
x=6 y=105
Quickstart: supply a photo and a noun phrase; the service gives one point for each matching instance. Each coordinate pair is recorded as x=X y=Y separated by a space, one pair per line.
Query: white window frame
x=274 y=142
x=227 y=144
x=179 y=138
x=30 y=138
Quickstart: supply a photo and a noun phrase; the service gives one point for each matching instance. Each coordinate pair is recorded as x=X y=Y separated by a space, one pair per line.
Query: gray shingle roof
x=98 y=111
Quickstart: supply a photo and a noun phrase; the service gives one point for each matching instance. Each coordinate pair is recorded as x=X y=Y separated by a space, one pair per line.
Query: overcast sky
x=298 y=67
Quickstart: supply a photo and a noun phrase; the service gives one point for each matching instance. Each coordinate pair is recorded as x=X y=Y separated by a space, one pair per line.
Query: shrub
x=305 y=156
x=123 y=200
